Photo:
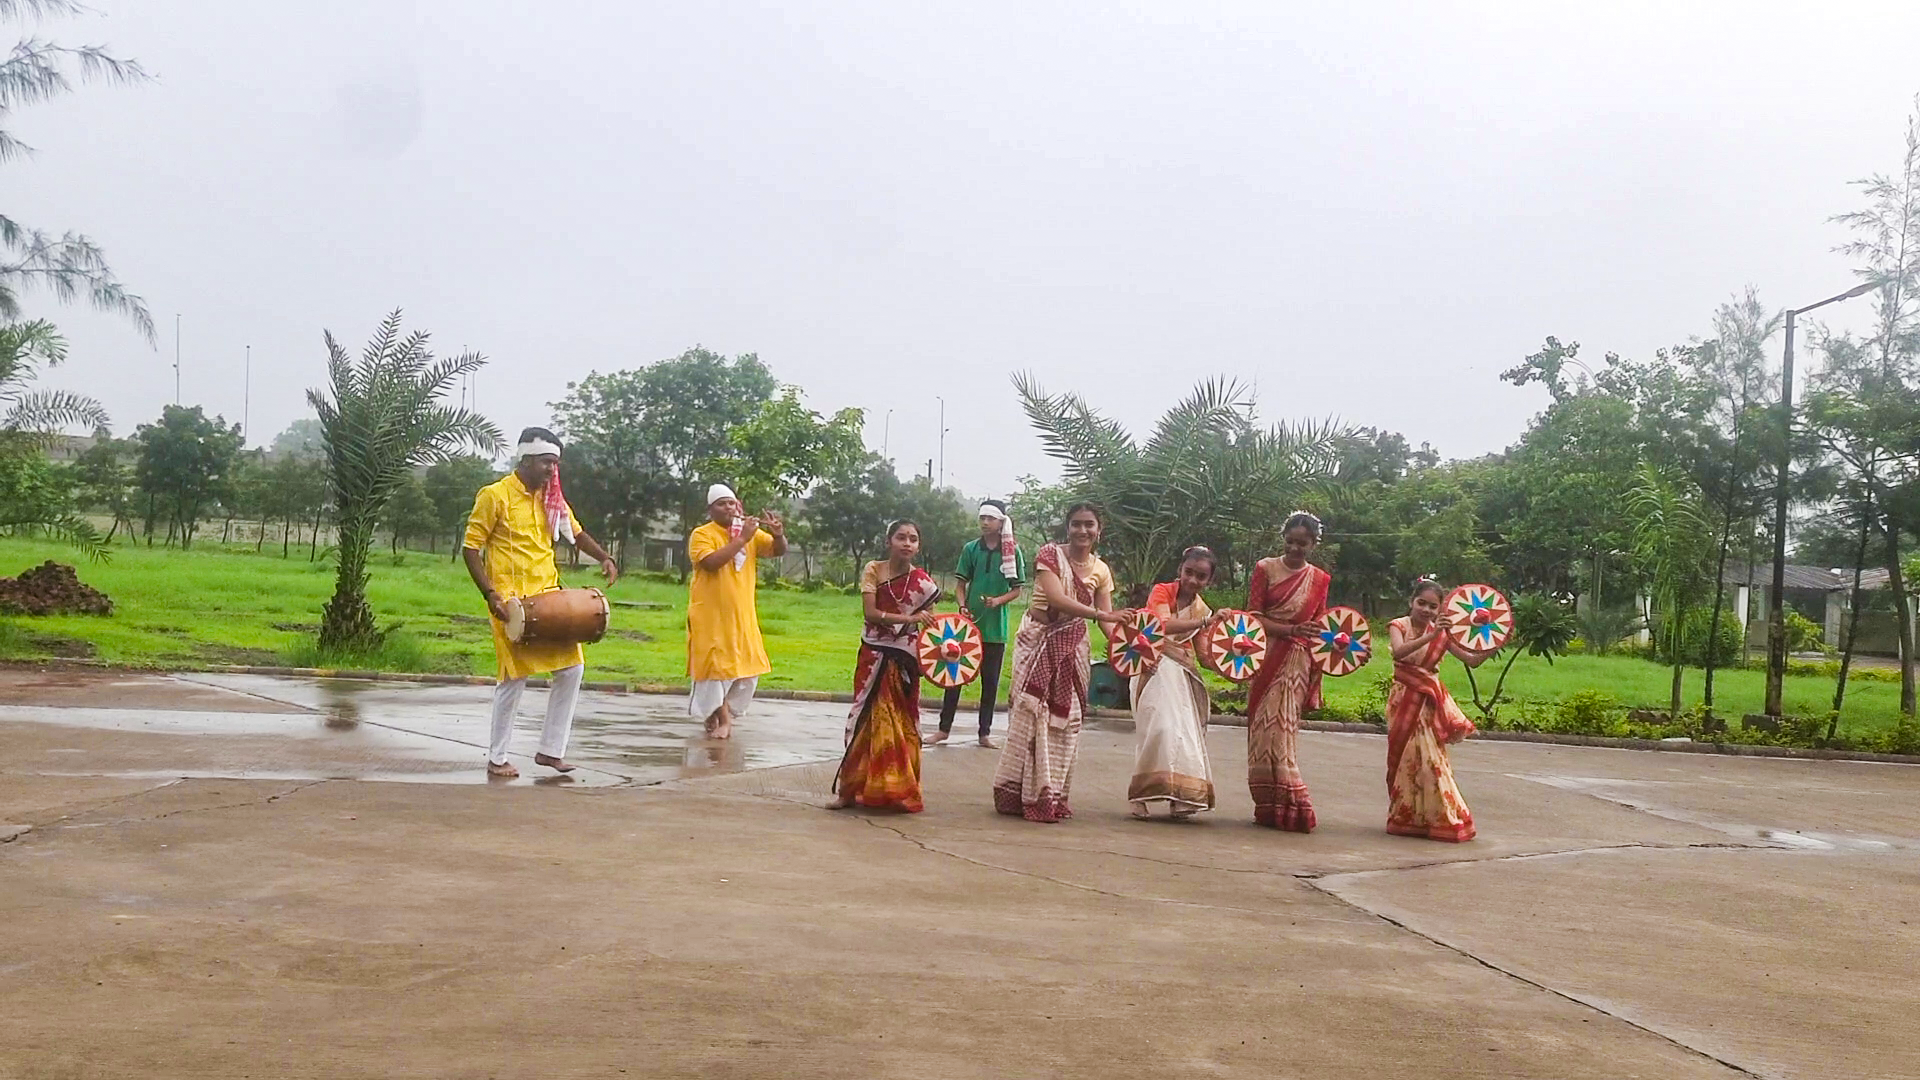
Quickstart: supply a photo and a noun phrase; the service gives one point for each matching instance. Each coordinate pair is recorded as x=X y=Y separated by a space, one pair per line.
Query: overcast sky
x=1369 y=210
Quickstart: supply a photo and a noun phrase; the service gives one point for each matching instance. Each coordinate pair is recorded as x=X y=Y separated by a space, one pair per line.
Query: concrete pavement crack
x=276 y=797
x=1318 y=886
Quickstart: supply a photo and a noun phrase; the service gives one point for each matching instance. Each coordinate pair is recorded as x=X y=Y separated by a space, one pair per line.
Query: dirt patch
x=631 y=635
x=298 y=627
x=468 y=620
x=65 y=648
x=236 y=654
x=51 y=589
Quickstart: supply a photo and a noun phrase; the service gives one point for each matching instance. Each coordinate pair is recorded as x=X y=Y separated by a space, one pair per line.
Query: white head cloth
x=535 y=448
x=715 y=493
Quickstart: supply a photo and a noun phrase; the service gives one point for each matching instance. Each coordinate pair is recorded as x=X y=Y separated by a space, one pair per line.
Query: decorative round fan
x=1341 y=643
x=1235 y=645
x=950 y=651
x=1137 y=645
x=1482 y=618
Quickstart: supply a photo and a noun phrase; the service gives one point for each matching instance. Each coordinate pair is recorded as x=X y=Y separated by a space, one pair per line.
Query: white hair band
x=536 y=447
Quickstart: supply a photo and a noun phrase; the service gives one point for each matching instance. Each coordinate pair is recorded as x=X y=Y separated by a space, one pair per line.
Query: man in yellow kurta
x=509 y=553
x=725 y=656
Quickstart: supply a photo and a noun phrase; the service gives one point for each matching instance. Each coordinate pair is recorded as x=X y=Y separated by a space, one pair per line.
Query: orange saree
x=1422 y=799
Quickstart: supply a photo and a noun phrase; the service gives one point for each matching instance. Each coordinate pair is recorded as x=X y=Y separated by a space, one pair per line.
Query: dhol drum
x=558 y=617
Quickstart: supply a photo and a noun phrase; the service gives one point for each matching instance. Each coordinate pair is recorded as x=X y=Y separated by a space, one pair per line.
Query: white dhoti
x=709 y=694
x=562 y=697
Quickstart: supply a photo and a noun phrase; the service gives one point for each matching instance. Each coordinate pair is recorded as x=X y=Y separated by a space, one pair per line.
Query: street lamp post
x=176 y=358
x=246 y=397
x=943 y=443
x=1776 y=610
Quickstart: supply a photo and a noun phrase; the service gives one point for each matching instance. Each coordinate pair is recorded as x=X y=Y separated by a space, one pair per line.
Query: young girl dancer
x=1421 y=720
x=881 y=767
x=1288 y=595
x=1170 y=704
x=1050 y=671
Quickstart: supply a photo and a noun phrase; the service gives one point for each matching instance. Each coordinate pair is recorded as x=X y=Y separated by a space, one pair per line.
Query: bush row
x=1593 y=713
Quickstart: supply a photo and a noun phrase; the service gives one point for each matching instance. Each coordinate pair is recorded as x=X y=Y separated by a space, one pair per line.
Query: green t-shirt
x=979 y=567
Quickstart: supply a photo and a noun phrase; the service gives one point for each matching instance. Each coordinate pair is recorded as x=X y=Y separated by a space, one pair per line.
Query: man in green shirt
x=985 y=591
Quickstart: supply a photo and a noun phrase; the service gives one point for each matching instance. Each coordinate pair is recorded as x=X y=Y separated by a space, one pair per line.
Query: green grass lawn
x=218 y=604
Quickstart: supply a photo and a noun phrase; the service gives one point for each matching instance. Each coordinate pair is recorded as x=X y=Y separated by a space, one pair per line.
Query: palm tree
x=69 y=265
x=1672 y=543
x=382 y=421
x=1208 y=475
x=31 y=419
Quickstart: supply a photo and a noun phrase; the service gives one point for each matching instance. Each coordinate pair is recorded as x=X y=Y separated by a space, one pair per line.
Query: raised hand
x=774 y=524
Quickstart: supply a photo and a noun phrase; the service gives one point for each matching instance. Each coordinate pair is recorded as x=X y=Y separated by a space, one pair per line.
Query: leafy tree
x=851 y=507
x=691 y=405
x=784 y=448
x=451 y=486
x=383 y=419
x=410 y=513
x=1672 y=548
x=616 y=476
x=296 y=492
x=70 y=265
x=302 y=438
x=185 y=463
x=31 y=418
x=1207 y=475
x=1866 y=406
x=1543 y=627
x=103 y=482
x=947 y=521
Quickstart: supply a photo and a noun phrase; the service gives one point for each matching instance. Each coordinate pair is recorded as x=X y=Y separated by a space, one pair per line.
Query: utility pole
x=1776 y=616
x=943 y=441
x=886 y=433
x=246 y=398
x=176 y=358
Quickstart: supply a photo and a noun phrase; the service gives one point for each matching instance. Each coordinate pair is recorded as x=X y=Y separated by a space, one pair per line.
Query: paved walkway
x=682 y=912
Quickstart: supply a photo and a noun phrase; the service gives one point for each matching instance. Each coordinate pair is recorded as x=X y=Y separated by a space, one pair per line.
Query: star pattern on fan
x=1138 y=645
x=1342 y=643
x=1235 y=645
x=1482 y=618
x=950 y=651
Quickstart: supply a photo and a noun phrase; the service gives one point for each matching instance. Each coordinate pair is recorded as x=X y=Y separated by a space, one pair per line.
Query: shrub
x=1587 y=712
x=1805 y=635
x=1693 y=641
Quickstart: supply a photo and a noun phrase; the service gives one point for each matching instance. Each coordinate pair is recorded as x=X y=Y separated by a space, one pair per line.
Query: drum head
x=1342 y=642
x=1137 y=645
x=950 y=651
x=1235 y=646
x=1482 y=618
x=516 y=624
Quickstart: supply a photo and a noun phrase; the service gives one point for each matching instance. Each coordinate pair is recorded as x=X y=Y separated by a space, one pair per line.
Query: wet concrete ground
x=354 y=729
x=1623 y=914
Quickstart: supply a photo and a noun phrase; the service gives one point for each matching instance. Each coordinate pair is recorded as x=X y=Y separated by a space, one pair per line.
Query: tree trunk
x=286 y=537
x=313 y=550
x=1903 y=610
x=1853 y=625
x=260 y=537
x=1719 y=597
x=226 y=530
x=346 y=623
x=114 y=528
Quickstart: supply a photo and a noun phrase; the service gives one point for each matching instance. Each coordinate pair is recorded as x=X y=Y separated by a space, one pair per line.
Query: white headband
x=990 y=510
x=537 y=447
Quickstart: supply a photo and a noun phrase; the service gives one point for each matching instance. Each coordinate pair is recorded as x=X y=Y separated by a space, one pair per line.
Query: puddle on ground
x=1608 y=789
x=364 y=730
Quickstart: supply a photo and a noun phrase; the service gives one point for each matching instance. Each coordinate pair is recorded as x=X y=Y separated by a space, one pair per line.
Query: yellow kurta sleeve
x=485 y=516
x=762 y=544
x=703 y=542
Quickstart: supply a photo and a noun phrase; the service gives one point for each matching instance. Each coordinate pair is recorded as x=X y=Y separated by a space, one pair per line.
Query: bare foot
x=502 y=768
x=841 y=803
x=552 y=762
x=934 y=739
x=987 y=741
x=723 y=731
x=1140 y=811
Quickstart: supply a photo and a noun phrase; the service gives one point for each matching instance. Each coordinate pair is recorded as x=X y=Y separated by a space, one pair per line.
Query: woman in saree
x=1422 y=719
x=1050 y=669
x=881 y=768
x=1288 y=595
x=1170 y=703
